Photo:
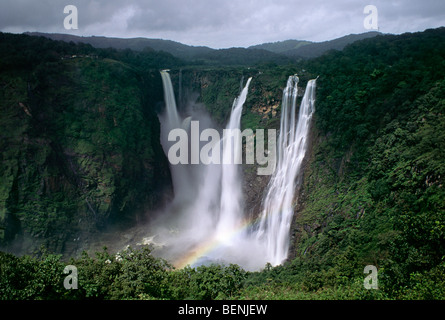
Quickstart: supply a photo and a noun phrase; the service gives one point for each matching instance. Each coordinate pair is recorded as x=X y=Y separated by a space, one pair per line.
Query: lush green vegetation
x=218 y=86
x=80 y=139
x=130 y=274
x=372 y=192
x=281 y=46
x=281 y=52
x=192 y=54
x=316 y=49
x=137 y=275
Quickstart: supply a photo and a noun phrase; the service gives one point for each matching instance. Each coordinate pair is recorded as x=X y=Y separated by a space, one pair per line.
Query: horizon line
x=198 y=46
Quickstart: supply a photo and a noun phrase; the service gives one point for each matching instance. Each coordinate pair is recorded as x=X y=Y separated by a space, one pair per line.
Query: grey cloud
x=221 y=23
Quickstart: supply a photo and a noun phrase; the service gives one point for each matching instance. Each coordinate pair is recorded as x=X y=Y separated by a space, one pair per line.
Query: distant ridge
x=231 y=56
x=316 y=49
x=280 y=52
x=308 y=49
x=281 y=46
x=137 y=44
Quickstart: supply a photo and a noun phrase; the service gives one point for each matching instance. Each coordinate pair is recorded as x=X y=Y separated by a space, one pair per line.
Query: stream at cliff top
x=206 y=223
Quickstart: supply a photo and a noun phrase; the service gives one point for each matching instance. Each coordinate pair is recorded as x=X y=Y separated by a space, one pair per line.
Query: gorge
x=84 y=165
x=218 y=229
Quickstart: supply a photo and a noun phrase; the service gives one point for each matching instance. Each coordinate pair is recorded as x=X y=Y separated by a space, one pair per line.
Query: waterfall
x=172 y=116
x=231 y=212
x=276 y=217
x=208 y=201
x=208 y=206
x=171 y=120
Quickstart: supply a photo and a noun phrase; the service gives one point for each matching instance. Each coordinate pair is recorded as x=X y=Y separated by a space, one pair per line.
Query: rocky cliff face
x=216 y=89
x=80 y=146
x=80 y=151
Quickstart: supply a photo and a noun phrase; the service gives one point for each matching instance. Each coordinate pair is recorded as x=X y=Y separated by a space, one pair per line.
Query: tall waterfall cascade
x=208 y=205
x=231 y=213
x=278 y=204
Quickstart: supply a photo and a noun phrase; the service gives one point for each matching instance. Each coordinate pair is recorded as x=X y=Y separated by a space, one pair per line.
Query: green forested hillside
x=79 y=141
x=305 y=49
x=192 y=54
x=281 y=46
x=316 y=49
x=372 y=191
x=373 y=186
x=136 y=44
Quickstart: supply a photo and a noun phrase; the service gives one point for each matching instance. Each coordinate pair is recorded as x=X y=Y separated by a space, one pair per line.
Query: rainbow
x=210 y=245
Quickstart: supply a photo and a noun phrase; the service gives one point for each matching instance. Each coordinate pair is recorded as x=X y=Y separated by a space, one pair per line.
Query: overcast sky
x=221 y=23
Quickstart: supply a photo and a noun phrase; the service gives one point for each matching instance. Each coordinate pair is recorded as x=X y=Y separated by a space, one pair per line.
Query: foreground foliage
x=130 y=274
x=136 y=274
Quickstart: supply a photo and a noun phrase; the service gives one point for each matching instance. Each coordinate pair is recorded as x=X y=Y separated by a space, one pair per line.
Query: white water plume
x=231 y=211
x=170 y=120
x=278 y=208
